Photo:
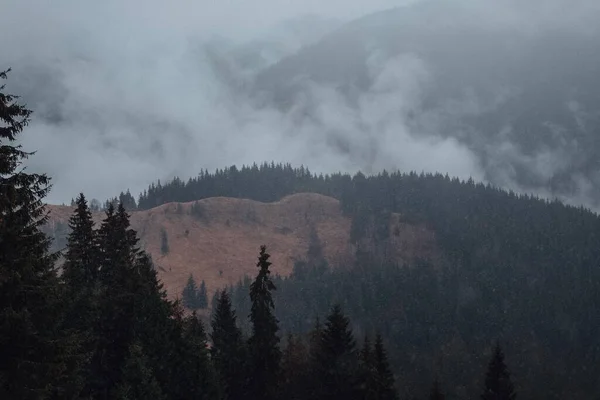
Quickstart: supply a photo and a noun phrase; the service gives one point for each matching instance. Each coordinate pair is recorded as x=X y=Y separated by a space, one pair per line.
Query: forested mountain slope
x=215 y=239
x=513 y=267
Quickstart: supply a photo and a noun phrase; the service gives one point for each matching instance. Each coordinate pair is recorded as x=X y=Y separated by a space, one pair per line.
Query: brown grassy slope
x=222 y=245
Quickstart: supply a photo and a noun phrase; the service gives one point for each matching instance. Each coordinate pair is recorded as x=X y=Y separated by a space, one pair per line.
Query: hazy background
x=127 y=92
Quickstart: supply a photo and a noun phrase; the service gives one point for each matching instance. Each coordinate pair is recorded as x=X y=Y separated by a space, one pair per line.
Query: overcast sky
x=128 y=96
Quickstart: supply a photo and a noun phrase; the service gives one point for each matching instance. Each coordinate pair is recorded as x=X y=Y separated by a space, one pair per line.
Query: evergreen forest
x=512 y=311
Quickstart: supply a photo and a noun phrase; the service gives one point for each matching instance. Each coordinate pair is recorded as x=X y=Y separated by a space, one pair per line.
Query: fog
x=125 y=93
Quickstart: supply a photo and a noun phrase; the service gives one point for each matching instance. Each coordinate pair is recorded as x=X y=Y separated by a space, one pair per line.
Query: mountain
x=440 y=267
x=216 y=239
x=515 y=85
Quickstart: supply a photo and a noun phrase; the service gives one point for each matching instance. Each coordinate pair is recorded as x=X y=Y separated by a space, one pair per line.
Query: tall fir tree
x=338 y=361
x=38 y=359
x=189 y=296
x=202 y=296
x=80 y=269
x=368 y=372
x=80 y=275
x=385 y=377
x=228 y=351
x=315 y=336
x=263 y=345
x=116 y=331
x=295 y=369
x=498 y=385
x=197 y=367
x=138 y=381
x=153 y=318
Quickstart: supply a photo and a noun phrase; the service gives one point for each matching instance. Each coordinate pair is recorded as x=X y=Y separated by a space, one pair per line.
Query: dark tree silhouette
x=265 y=355
x=498 y=385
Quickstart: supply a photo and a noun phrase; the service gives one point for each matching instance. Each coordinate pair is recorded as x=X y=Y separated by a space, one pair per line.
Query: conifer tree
x=80 y=269
x=80 y=275
x=498 y=385
x=202 y=296
x=338 y=370
x=385 y=377
x=314 y=353
x=152 y=318
x=263 y=345
x=138 y=380
x=116 y=330
x=196 y=366
x=189 y=295
x=37 y=358
x=228 y=351
x=295 y=369
x=368 y=373
x=164 y=242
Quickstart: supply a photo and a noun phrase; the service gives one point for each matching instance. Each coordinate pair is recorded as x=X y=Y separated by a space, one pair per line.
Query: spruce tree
x=80 y=269
x=265 y=355
x=153 y=320
x=135 y=308
x=202 y=296
x=338 y=371
x=196 y=366
x=37 y=357
x=498 y=385
x=164 y=242
x=314 y=353
x=138 y=381
x=295 y=369
x=189 y=295
x=228 y=351
x=385 y=377
x=368 y=375
x=118 y=276
x=80 y=275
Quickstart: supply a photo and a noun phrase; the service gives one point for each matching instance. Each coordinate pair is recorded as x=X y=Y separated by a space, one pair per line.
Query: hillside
x=217 y=239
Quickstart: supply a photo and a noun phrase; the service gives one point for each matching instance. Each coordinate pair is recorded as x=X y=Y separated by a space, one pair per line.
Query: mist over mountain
x=520 y=95
x=502 y=91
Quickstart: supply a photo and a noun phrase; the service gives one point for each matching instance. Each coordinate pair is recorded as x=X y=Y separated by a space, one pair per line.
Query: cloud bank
x=125 y=93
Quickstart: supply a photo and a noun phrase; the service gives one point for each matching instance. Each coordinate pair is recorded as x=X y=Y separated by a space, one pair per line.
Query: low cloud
x=125 y=93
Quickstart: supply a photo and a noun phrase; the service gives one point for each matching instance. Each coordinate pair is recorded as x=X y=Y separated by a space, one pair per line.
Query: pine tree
x=338 y=370
x=80 y=269
x=196 y=366
x=138 y=380
x=228 y=352
x=295 y=369
x=153 y=320
x=80 y=274
x=202 y=296
x=37 y=357
x=265 y=356
x=498 y=385
x=118 y=253
x=385 y=377
x=189 y=294
x=436 y=392
x=164 y=242
x=368 y=373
